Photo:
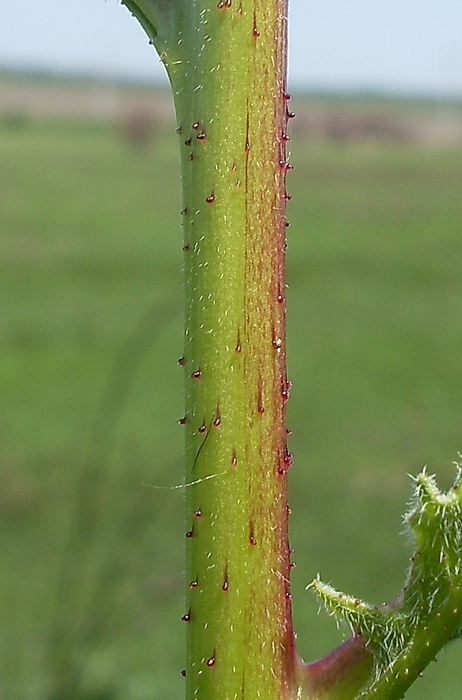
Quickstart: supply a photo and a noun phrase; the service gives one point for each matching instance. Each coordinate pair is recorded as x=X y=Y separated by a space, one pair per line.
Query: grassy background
x=90 y=328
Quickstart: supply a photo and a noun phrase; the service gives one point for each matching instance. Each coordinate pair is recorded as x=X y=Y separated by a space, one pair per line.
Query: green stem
x=232 y=141
x=227 y=65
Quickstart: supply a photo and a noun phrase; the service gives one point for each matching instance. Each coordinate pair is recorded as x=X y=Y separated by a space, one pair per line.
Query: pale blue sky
x=397 y=45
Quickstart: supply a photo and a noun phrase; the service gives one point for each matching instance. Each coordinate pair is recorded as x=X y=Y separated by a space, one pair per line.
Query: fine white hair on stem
x=182 y=486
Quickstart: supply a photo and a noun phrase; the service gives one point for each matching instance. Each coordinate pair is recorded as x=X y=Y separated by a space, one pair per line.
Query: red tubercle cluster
x=284 y=165
x=276 y=343
x=201 y=136
x=288 y=459
x=292 y=564
x=288 y=115
x=285 y=462
x=286 y=98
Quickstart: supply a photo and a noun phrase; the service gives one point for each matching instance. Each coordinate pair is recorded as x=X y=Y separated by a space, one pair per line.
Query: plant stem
x=227 y=65
x=232 y=143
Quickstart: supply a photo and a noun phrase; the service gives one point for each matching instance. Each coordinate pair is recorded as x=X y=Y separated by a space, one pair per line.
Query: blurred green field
x=91 y=587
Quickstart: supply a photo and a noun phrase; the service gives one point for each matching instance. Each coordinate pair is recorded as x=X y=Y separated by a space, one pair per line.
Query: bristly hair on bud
x=406 y=634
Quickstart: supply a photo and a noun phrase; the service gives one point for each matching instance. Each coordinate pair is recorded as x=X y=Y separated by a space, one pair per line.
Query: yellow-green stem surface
x=228 y=77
